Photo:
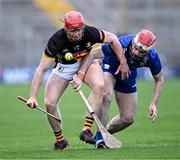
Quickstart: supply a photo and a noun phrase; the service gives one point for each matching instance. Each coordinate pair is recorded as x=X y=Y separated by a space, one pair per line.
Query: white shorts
x=66 y=71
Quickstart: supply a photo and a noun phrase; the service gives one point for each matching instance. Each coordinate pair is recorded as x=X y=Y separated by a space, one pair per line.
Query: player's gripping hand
x=32 y=102
x=76 y=83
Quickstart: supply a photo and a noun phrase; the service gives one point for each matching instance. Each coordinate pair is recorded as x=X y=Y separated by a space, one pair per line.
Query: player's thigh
x=94 y=76
x=127 y=103
x=55 y=87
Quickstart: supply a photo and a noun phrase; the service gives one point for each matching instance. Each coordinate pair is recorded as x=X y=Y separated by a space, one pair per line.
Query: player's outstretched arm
x=44 y=64
x=159 y=81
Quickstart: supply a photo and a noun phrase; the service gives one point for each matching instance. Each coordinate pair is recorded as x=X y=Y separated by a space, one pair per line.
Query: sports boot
x=61 y=145
x=87 y=136
x=100 y=144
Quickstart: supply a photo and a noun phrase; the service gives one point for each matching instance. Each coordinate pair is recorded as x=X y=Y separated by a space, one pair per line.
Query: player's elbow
x=111 y=38
x=160 y=80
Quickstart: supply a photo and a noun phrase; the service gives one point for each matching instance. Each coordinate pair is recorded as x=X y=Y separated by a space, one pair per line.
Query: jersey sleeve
x=48 y=52
x=155 y=66
x=51 y=49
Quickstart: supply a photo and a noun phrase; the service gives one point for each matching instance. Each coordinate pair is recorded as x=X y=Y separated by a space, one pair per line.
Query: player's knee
x=49 y=104
x=107 y=98
x=99 y=88
x=128 y=120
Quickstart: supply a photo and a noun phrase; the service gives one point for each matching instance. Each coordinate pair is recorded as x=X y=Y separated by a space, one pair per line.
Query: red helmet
x=145 y=39
x=74 y=20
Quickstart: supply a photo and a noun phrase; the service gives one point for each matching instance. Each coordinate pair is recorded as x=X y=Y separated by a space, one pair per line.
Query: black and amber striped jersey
x=58 y=45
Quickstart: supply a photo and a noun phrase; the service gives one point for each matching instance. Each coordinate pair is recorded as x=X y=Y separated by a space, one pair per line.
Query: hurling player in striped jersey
x=67 y=50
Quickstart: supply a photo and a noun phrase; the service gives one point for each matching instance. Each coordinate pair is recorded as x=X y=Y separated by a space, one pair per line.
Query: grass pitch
x=26 y=134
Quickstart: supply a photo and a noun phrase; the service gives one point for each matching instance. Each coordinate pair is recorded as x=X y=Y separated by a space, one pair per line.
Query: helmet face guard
x=75 y=35
x=138 y=52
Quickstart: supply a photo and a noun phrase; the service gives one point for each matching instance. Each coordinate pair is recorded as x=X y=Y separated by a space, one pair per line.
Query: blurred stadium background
x=26 y=25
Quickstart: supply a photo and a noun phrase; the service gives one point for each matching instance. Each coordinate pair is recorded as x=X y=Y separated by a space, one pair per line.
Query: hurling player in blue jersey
x=139 y=52
x=66 y=51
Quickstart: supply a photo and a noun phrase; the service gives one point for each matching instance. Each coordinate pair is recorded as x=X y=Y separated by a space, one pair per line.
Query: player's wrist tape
x=81 y=75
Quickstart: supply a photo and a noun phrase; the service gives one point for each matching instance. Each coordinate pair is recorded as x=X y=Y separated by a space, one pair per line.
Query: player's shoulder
x=125 y=39
x=153 y=53
x=128 y=37
x=58 y=34
x=94 y=34
x=91 y=29
x=57 y=39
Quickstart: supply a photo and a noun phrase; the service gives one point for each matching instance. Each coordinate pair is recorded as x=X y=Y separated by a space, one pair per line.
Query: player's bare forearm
x=116 y=46
x=77 y=79
x=85 y=63
x=159 y=81
x=36 y=82
x=39 y=74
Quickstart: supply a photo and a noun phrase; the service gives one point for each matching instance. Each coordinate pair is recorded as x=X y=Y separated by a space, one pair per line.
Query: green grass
x=25 y=133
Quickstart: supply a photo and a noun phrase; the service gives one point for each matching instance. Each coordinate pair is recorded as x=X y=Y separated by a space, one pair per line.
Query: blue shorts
x=110 y=64
x=125 y=86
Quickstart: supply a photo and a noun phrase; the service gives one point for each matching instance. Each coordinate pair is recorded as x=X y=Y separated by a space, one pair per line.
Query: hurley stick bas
x=110 y=141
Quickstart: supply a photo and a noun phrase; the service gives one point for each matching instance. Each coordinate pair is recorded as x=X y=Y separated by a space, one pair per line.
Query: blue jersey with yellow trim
x=111 y=62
